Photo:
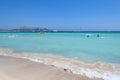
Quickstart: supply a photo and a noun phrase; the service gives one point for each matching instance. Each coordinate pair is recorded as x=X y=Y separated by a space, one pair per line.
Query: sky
x=85 y=15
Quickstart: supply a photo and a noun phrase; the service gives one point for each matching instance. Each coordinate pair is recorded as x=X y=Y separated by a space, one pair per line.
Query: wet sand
x=12 y=68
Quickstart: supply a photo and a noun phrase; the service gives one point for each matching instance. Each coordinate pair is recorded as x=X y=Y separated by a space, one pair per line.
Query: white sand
x=21 y=69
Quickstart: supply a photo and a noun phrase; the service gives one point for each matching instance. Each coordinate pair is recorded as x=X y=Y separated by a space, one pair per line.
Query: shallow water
x=91 y=56
x=105 y=48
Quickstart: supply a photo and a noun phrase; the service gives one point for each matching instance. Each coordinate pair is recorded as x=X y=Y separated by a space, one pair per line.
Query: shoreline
x=12 y=68
x=97 y=70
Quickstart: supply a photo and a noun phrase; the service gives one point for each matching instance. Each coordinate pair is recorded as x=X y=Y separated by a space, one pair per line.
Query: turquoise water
x=105 y=48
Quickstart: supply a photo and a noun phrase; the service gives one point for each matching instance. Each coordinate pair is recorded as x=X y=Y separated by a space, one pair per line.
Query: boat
x=41 y=32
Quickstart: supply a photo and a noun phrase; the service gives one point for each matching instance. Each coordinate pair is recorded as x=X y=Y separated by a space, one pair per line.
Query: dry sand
x=22 y=69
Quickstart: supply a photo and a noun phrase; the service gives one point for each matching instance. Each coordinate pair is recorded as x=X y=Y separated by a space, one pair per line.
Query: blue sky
x=61 y=14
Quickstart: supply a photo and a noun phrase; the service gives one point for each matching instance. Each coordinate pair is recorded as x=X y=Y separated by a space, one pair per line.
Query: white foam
x=98 y=70
x=12 y=36
x=102 y=37
x=91 y=73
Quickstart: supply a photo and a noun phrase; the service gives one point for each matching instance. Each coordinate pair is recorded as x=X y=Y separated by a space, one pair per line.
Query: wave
x=102 y=70
x=12 y=36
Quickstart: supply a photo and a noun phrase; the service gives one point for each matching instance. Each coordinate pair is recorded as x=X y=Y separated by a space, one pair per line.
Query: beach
x=62 y=56
x=12 y=68
x=60 y=40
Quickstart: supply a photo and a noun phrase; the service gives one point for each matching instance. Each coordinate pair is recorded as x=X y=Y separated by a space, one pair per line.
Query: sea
x=94 y=54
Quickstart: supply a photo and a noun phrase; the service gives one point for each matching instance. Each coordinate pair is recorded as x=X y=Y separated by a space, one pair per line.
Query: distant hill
x=26 y=29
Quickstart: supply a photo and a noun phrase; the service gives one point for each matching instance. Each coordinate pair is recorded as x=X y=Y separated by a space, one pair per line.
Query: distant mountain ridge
x=26 y=29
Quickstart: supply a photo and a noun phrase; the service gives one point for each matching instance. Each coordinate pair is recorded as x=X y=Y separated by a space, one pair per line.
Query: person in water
x=98 y=35
x=87 y=36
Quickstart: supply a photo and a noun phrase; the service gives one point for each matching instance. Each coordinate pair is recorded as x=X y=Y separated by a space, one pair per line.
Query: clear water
x=105 y=48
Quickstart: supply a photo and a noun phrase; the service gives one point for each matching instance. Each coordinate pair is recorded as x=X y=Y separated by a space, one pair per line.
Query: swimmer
x=98 y=35
x=88 y=36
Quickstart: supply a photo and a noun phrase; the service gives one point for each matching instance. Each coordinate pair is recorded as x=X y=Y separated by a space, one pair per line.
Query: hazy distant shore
x=21 y=69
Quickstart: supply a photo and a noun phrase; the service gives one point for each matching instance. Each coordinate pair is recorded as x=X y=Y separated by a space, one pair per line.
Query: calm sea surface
x=105 y=48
